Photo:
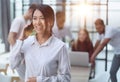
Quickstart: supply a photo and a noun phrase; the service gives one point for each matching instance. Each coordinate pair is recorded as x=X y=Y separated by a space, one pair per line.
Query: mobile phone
x=28 y=30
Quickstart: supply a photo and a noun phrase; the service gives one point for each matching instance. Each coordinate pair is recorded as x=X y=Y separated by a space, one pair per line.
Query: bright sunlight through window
x=85 y=10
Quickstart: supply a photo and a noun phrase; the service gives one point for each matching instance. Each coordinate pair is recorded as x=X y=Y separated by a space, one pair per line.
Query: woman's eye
x=34 y=18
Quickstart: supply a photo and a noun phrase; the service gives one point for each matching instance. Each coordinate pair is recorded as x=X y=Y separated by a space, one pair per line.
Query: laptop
x=79 y=58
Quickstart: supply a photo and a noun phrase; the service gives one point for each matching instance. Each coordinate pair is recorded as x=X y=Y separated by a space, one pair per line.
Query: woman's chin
x=81 y=40
x=39 y=32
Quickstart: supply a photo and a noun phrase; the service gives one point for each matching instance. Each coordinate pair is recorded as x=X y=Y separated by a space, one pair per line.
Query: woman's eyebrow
x=39 y=16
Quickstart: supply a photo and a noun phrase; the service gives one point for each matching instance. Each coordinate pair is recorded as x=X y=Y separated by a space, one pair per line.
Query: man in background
x=107 y=35
x=60 y=30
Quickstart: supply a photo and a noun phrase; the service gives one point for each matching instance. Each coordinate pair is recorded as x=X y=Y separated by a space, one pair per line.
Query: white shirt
x=49 y=62
x=62 y=33
x=18 y=25
x=114 y=34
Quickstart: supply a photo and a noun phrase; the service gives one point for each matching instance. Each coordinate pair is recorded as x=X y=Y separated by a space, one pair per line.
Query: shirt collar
x=44 y=44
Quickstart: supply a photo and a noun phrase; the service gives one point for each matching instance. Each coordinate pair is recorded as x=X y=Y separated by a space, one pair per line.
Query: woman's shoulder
x=57 y=41
x=56 y=44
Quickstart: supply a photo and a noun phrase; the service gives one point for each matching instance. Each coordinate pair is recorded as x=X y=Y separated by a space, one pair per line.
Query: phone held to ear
x=29 y=30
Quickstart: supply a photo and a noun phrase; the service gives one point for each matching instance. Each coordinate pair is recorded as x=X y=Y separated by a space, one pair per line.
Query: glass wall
x=18 y=7
x=83 y=13
x=79 y=13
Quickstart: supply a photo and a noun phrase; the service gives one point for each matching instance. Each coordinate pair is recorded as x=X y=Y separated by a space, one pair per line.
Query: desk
x=3 y=68
x=80 y=74
x=15 y=78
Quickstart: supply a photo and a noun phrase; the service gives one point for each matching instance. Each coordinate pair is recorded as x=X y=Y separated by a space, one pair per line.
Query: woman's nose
x=38 y=21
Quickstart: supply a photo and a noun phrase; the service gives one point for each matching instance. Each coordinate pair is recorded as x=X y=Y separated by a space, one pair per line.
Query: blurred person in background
x=84 y=44
x=60 y=30
x=18 y=25
x=107 y=35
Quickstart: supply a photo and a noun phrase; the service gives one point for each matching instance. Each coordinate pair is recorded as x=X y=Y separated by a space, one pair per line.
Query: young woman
x=45 y=56
x=83 y=43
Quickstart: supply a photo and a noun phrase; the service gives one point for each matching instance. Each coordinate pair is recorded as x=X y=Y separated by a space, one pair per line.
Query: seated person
x=84 y=44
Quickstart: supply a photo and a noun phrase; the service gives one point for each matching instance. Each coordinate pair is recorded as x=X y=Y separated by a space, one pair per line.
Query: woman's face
x=82 y=36
x=39 y=22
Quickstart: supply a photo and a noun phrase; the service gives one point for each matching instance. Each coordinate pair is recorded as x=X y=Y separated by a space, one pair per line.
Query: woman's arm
x=15 y=55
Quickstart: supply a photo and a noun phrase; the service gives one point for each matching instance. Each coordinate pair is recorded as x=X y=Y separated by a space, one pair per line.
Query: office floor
x=101 y=74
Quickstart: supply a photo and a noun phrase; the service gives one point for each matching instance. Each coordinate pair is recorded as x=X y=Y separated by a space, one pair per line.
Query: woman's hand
x=26 y=32
x=22 y=35
x=32 y=79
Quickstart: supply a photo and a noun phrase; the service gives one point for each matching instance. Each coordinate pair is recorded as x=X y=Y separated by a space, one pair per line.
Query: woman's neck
x=42 y=39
